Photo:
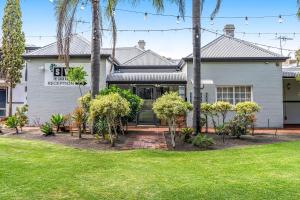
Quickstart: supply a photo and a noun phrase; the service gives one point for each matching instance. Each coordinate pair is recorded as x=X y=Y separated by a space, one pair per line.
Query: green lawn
x=38 y=170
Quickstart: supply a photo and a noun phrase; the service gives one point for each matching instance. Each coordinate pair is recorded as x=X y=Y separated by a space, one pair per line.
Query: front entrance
x=2 y=102
x=146 y=116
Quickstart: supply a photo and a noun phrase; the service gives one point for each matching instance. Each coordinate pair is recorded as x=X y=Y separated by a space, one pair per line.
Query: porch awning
x=291 y=72
x=172 y=77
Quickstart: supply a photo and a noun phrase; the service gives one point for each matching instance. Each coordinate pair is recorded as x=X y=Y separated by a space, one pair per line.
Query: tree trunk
x=79 y=132
x=197 y=64
x=17 y=130
x=10 y=100
x=95 y=52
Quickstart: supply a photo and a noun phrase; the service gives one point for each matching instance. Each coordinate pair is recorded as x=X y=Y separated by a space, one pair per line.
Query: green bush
x=47 y=129
x=101 y=127
x=13 y=122
x=57 y=121
x=223 y=130
x=186 y=133
x=21 y=115
x=110 y=107
x=168 y=107
x=135 y=102
x=223 y=108
x=79 y=118
x=202 y=141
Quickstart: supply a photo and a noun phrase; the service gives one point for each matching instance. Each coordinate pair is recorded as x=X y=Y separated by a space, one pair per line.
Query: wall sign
x=55 y=74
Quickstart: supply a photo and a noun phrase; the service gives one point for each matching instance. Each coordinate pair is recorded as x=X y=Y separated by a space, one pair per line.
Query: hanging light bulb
x=146 y=16
x=246 y=21
x=82 y=6
x=114 y=12
x=51 y=1
x=280 y=19
x=178 y=19
x=211 y=21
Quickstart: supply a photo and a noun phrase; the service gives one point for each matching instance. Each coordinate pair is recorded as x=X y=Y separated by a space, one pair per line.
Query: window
x=234 y=94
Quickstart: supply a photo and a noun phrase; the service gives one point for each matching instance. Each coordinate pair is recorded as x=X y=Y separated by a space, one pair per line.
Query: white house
x=232 y=70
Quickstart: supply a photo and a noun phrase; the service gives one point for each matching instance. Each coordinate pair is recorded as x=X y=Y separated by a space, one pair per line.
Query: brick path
x=146 y=138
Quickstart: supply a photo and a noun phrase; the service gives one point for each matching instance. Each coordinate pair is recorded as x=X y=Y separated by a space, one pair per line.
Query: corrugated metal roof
x=290 y=72
x=148 y=58
x=225 y=47
x=78 y=46
x=147 y=77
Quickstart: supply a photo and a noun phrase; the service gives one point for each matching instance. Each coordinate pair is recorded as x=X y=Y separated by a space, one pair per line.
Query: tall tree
x=13 y=46
x=196 y=13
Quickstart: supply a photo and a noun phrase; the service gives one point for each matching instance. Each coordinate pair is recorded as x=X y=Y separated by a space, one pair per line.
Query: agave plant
x=57 y=121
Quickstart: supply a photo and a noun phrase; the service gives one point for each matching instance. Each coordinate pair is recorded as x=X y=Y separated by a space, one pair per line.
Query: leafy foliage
x=223 y=108
x=79 y=118
x=186 y=133
x=47 y=129
x=77 y=75
x=21 y=115
x=57 y=120
x=110 y=107
x=247 y=108
x=135 y=101
x=168 y=107
x=12 y=122
x=202 y=141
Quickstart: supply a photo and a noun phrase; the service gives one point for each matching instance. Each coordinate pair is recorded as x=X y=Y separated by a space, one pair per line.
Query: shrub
x=47 y=129
x=135 y=102
x=77 y=75
x=209 y=110
x=186 y=133
x=223 y=130
x=79 y=118
x=21 y=115
x=202 y=141
x=247 y=108
x=223 y=108
x=57 y=120
x=168 y=107
x=101 y=127
x=110 y=107
x=84 y=103
x=12 y=122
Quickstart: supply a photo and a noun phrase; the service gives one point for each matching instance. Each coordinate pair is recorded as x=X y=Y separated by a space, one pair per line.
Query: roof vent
x=141 y=44
x=229 y=30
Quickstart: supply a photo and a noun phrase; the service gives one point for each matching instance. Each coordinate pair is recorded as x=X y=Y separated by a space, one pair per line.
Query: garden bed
x=88 y=141
x=246 y=140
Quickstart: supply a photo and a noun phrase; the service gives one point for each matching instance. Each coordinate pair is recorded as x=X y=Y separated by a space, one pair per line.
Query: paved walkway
x=145 y=138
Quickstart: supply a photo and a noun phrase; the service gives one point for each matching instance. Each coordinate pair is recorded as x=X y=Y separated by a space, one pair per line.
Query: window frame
x=233 y=87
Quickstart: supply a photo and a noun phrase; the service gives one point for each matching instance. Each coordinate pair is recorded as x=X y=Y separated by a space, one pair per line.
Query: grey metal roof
x=148 y=58
x=79 y=46
x=230 y=48
x=290 y=72
x=146 y=77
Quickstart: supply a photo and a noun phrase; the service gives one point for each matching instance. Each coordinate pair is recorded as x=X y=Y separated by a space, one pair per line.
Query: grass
x=39 y=170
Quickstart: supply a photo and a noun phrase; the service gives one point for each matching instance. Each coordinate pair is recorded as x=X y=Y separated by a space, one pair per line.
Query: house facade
x=233 y=70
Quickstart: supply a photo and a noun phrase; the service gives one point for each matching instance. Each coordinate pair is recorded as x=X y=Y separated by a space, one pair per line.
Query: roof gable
x=148 y=58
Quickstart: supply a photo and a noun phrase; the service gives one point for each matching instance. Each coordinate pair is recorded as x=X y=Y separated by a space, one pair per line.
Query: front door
x=146 y=116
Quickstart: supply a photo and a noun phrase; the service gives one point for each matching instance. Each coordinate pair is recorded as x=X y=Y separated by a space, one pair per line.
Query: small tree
x=13 y=122
x=77 y=75
x=135 y=102
x=79 y=118
x=21 y=115
x=13 y=46
x=223 y=108
x=111 y=107
x=84 y=103
x=168 y=107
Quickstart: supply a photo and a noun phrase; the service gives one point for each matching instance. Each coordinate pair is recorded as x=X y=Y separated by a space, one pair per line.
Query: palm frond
x=217 y=8
x=65 y=14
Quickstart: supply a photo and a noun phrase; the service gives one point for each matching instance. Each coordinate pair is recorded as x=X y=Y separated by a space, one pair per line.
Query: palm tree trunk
x=95 y=52
x=10 y=100
x=197 y=63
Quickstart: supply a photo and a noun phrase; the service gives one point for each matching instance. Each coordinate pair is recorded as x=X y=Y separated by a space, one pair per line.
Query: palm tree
x=197 y=11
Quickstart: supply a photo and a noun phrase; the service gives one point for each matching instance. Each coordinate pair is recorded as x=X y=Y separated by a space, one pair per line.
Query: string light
x=82 y=6
x=178 y=19
x=246 y=21
x=211 y=21
x=280 y=19
x=145 y=16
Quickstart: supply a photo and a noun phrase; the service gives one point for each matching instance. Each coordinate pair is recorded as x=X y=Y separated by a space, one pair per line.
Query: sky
x=39 y=20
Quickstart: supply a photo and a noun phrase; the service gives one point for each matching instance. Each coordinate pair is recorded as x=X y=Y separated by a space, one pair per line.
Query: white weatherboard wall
x=265 y=79
x=43 y=101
